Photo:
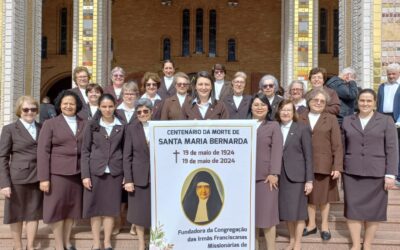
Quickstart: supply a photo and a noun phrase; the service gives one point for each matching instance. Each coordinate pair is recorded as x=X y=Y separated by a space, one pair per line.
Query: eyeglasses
x=317 y=77
x=296 y=90
x=239 y=82
x=82 y=77
x=182 y=84
x=270 y=86
x=130 y=94
x=26 y=110
x=316 y=100
x=219 y=72
x=144 y=111
x=118 y=76
x=287 y=110
x=151 y=84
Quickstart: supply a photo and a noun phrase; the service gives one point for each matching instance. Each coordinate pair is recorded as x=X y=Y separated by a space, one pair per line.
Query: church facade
x=42 y=40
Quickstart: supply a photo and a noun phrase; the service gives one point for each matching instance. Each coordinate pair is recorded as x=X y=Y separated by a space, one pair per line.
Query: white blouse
x=313 y=119
x=31 y=127
x=72 y=123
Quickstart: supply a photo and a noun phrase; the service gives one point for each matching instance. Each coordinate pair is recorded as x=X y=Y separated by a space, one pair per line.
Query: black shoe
x=306 y=232
x=108 y=248
x=70 y=248
x=326 y=235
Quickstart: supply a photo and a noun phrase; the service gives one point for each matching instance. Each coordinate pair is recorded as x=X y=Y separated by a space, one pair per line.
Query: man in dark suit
x=389 y=100
x=347 y=91
x=46 y=110
x=269 y=86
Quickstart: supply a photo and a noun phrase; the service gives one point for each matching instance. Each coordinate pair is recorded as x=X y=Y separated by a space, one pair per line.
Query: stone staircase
x=387 y=237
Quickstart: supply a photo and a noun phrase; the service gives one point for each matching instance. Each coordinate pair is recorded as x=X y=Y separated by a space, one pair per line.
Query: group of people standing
x=94 y=157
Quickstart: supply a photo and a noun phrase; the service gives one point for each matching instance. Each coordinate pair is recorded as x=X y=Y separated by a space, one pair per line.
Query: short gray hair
x=117 y=69
x=181 y=75
x=130 y=86
x=144 y=102
x=269 y=77
x=316 y=91
x=240 y=74
x=349 y=70
x=393 y=67
x=294 y=82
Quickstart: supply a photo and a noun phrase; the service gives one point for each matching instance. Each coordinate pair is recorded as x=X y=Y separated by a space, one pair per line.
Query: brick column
x=92 y=38
x=299 y=40
x=20 y=50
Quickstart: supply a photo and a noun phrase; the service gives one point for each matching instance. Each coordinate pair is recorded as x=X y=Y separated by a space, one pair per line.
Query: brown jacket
x=86 y=112
x=122 y=116
x=163 y=92
x=327 y=143
x=172 y=109
x=373 y=151
x=241 y=112
x=59 y=150
x=77 y=91
x=274 y=106
x=100 y=150
x=297 y=153
x=136 y=156
x=226 y=90
x=215 y=111
x=17 y=155
x=158 y=104
x=269 y=150
x=109 y=89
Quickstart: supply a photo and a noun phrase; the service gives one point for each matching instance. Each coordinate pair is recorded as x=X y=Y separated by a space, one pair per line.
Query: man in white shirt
x=389 y=100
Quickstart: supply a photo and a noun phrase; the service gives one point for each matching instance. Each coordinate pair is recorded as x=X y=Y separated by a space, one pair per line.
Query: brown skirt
x=105 y=197
x=325 y=190
x=64 y=201
x=25 y=203
x=365 y=198
x=292 y=199
x=139 y=208
x=267 y=212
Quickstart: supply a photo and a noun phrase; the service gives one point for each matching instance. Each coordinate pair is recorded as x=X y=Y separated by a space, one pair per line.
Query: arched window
x=63 y=31
x=199 y=31
x=185 y=32
x=44 y=47
x=212 y=42
x=166 y=49
x=323 y=31
x=335 y=33
x=231 y=50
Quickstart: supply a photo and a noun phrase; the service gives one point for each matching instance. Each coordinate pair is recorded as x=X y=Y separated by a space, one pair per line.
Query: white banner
x=202 y=184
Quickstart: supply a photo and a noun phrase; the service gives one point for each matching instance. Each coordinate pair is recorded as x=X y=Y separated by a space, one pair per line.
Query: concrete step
x=82 y=238
x=338 y=222
x=341 y=240
x=387 y=237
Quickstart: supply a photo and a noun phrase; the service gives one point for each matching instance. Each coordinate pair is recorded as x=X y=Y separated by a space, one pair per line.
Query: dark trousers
x=398 y=139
